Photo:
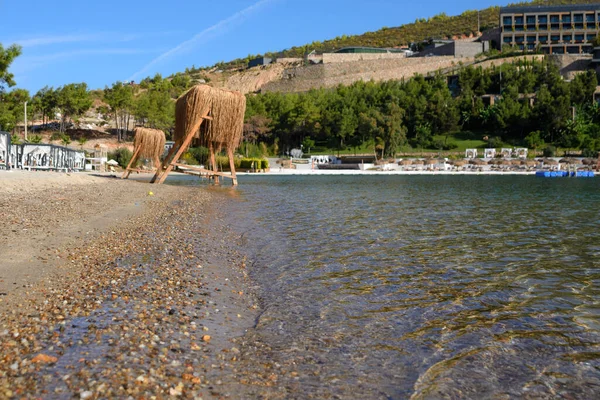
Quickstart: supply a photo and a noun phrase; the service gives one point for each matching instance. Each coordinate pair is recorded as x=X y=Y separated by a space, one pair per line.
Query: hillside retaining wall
x=301 y=79
x=331 y=58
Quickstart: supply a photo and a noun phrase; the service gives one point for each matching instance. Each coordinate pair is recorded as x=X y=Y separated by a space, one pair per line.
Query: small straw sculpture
x=151 y=144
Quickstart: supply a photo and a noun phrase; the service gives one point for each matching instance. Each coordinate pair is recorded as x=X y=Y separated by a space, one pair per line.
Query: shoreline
x=381 y=173
x=145 y=298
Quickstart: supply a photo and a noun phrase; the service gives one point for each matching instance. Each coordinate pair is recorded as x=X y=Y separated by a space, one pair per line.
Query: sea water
x=425 y=286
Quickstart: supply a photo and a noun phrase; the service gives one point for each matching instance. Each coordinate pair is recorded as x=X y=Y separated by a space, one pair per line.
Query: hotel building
x=568 y=29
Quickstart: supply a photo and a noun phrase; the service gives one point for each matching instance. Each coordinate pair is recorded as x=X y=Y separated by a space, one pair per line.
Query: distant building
x=566 y=29
x=260 y=61
x=454 y=48
x=366 y=50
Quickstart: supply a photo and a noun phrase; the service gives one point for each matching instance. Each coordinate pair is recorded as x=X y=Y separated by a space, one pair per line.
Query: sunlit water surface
x=427 y=286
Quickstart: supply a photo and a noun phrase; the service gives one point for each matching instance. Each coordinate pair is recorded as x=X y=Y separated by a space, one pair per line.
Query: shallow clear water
x=427 y=286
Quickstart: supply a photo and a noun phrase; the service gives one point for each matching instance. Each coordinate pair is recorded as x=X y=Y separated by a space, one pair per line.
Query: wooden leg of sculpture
x=186 y=143
x=232 y=166
x=213 y=162
x=131 y=162
x=165 y=162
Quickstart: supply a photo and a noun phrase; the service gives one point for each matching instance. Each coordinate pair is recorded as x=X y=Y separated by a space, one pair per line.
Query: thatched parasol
x=550 y=161
x=531 y=163
x=431 y=161
x=459 y=163
x=406 y=162
x=567 y=161
x=150 y=142
x=588 y=161
x=418 y=162
x=226 y=108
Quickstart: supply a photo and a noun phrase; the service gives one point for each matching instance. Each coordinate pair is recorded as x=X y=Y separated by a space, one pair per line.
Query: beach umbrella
x=112 y=162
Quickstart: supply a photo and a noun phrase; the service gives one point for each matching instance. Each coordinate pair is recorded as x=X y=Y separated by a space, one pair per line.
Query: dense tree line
x=533 y=105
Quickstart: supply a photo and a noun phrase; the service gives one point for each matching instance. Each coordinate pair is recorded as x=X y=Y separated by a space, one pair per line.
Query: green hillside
x=436 y=27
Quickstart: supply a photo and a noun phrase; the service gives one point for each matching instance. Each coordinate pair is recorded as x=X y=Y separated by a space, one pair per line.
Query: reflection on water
x=428 y=286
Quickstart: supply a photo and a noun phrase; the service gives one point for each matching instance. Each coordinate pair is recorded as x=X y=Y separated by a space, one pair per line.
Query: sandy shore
x=108 y=291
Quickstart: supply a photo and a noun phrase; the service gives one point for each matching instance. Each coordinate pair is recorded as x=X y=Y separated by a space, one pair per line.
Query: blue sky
x=100 y=42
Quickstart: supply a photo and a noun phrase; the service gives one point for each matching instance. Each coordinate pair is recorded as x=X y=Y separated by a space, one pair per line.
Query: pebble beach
x=112 y=289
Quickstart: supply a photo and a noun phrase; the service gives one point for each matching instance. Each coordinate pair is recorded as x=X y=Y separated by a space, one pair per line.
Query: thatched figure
x=148 y=143
x=210 y=117
x=151 y=144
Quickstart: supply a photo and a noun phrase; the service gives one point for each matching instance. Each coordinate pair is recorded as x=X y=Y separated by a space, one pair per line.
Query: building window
x=543 y=27
x=519 y=28
x=519 y=39
x=530 y=46
x=555 y=38
x=579 y=38
x=578 y=18
x=573 y=49
x=518 y=20
x=566 y=19
x=507 y=39
x=555 y=27
x=590 y=37
x=567 y=38
x=507 y=21
x=530 y=19
x=521 y=47
x=578 y=26
x=567 y=26
x=543 y=19
x=558 y=50
x=530 y=39
x=589 y=18
x=587 y=49
x=543 y=39
x=555 y=19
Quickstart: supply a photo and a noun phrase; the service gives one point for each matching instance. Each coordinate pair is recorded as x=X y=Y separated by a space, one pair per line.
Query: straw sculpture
x=226 y=109
x=150 y=142
x=210 y=117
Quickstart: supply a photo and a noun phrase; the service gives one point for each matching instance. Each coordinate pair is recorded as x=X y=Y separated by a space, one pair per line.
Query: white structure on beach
x=489 y=153
x=471 y=153
x=316 y=160
x=4 y=149
x=521 y=152
x=506 y=152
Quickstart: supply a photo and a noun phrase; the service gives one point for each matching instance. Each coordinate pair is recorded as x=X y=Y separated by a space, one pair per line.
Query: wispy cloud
x=217 y=29
x=105 y=37
x=30 y=63
x=58 y=39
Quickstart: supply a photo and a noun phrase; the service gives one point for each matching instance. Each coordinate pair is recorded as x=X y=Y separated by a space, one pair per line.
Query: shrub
x=549 y=151
x=200 y=154
x=589 y=153
x=35 y=139
x=122 y=155
x=246 y=163
x=56 y=136
x=189 y=159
